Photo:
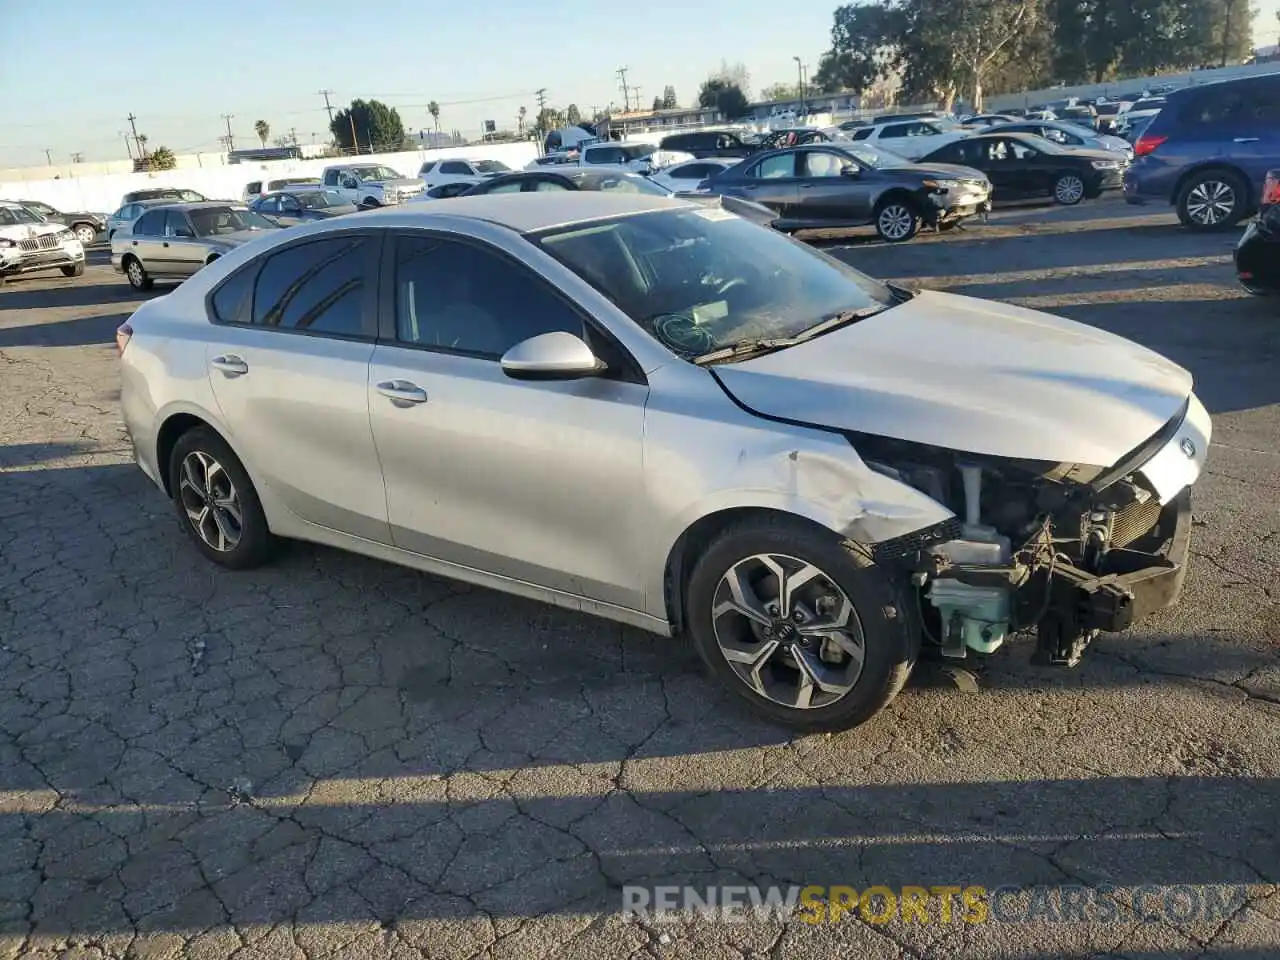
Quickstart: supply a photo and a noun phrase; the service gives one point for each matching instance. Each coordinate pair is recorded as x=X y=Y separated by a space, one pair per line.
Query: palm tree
x=524 y=111
x=142 y=144
x=263 y=130
x=433 y=108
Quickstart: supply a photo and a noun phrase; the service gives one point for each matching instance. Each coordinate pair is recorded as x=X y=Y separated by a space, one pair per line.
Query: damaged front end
x=1066 y=549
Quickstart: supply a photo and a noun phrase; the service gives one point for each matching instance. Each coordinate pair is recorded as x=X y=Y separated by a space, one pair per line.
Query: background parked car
x=29 y=244
x=86 y=226
x=1020 y=165
x=824 y=186
x=292 y=207
x=436 y=173
x=1142 y=109
x=1208 y=151
x=708 y=143
x=989 y=119
x=260 y=188
x=688 y=175
x=445 y=191
x=172 y=194
x=1257 y=255
x=911 y=138
x=1071 y=135
x=123 y=218
x=173 y=242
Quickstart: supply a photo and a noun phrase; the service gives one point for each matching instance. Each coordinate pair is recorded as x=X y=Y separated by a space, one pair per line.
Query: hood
x=971 y=375
x=940 y=171
x=398 y=182
x=229 y=240
x=18 y=231
x=338 y=211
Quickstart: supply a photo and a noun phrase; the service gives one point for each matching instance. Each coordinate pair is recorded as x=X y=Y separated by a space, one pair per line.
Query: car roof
x=12 y=203
x=530 y=212
x=202 y=204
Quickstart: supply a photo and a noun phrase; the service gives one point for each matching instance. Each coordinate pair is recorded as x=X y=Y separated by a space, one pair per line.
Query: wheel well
x=126 y=258
x=691 y=544
x=1211 y=168
x=170 y=431
x=212 y=257
x=900 y=195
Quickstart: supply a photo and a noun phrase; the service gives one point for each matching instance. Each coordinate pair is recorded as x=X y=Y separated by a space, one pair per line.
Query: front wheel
x=369 y=203
x=1068 y=189
x=216 y=501
x=897 y=221
x=139 y=279
x=74 y=270
x=1212 y=200
x=800 y=623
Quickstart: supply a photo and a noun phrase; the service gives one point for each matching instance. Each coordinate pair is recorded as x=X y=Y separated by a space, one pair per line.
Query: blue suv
x=1208 y=151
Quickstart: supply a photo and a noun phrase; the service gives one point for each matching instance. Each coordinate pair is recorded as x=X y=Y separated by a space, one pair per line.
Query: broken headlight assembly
x=1066 y=549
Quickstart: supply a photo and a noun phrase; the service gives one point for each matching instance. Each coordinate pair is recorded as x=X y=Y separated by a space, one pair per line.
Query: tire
x=1212 y=200
x=369 y=203
x=897 y=220
x=1068 y=189
x=890 y=639
x=139 y=279
x=209 y=487
x=75 y=270
x=85 y=233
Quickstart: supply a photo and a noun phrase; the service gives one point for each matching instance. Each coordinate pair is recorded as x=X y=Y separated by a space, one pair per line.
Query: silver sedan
x=656 y=411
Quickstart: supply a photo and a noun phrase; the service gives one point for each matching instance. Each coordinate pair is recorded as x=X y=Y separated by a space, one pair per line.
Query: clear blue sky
x=72 y=70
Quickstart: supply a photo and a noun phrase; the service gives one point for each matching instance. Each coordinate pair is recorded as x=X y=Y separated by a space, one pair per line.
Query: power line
x=327 y=105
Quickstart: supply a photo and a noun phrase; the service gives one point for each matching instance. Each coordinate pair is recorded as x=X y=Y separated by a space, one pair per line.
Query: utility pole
x=355 y=144
x=327 y=105
x=77 y=157
x=128 y=144
x=293 y=136
x=626 y=91
x=1226 y=31
x=800 y=88
x=636 y=91
x=134 y=127
x=231 y=142
x=48 y=156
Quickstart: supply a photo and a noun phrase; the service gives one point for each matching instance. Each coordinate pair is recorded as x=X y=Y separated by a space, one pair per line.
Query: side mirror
x=551 y=356
x=850 y=171
x=183 y=232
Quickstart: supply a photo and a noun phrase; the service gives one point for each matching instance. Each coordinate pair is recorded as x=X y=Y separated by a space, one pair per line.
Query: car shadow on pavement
x=72 y=294
x=78 y=332
x=31 y=454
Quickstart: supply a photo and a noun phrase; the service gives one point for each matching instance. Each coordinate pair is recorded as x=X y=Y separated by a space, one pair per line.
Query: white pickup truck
x=614 y=155
x=370 y=184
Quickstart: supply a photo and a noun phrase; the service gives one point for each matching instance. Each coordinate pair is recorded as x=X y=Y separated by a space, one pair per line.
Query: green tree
x=723 y=96
x=779 y=91
x=549 y=118
x=669 y=101
x=571 y=115
x=263 y=130
x=657 y=103
x=162 y=158
x=377 y=126
x=433 y=108
x=865 y=41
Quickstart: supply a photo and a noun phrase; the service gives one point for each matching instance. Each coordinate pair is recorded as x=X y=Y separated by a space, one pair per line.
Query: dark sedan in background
x=86 y=226
x=1022 y=165
x=826 y=186
x=291 y=207
x=1258 y=252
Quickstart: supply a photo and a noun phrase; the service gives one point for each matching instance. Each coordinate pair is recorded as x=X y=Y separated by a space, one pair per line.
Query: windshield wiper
x=757 y=345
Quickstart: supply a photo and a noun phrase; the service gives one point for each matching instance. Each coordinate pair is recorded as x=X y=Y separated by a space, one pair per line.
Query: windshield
x=320 y=200
x=289 y=182
x=376 y=173
x=635 y=151
x=703 y=279
x=878 y=158
x=11 y=215
x=623 y=183
x=190 y=196
x=215 y=221
x=490 y=166
x=1078 y=130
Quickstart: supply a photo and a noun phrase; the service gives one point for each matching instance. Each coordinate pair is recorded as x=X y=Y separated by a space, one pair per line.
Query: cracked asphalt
x=336 y=757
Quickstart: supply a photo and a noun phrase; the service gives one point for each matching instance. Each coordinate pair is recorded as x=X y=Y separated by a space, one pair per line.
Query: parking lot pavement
x=334 y=756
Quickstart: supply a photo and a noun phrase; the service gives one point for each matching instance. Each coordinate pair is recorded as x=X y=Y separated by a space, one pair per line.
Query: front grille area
x=1134 y=522
x=48 y=242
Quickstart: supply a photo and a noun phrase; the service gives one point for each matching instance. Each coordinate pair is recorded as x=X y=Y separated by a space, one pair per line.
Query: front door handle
x=1246 y=140
x=230 y=365
x=402 y=393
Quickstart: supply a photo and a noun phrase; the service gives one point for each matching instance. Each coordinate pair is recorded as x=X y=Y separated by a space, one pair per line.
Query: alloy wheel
x=1211 y=202
x=788 y=631
x=210 y=501
x=85 y=235
x=895 y=221
x=1068 y=190
x=136 y=276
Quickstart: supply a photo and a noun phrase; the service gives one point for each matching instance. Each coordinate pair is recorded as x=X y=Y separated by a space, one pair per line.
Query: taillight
x=123 y=334
x=1271 y=188
x=1146 y=144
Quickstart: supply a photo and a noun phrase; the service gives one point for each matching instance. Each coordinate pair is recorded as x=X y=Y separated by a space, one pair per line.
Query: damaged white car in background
x=661 y=413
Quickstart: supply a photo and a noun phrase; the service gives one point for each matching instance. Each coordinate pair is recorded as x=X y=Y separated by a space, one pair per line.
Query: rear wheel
x=216 y=501
x=75 y=270
x=369 y=203
x=85 y=234
x=139 y=279
x=800 y=624
x=897 y=220
x=1212 y=200
x=1068 y=189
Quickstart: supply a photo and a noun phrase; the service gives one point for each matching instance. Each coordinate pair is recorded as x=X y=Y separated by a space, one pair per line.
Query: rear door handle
x=230 y=365
x=402 y=392
x=1246 y=140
